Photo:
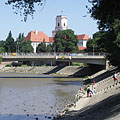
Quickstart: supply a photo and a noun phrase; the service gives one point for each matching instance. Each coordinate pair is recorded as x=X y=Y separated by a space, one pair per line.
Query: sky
x=45 y=18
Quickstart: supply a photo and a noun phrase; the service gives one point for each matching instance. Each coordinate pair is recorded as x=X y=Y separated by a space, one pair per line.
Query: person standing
x=93 y=90
x=115 y=77
x=88 y=91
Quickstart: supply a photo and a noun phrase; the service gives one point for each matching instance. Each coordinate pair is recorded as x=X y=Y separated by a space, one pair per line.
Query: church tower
x=61 y=24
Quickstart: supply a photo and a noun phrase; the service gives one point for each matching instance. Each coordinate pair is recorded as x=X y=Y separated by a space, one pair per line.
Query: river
x=34 y=97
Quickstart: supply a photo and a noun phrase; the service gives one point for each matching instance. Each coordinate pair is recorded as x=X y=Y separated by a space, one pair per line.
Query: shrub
x=0 y=60
x=8 y=65
x=85 y=77
x=75 y=64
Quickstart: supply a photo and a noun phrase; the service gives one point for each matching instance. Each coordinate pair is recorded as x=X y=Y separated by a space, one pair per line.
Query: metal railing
x=54 y=54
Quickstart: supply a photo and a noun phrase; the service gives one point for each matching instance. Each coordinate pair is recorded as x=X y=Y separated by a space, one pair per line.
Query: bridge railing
x=54 y=54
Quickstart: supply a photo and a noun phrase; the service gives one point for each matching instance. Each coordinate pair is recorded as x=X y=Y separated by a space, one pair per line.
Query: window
x=58 y=24
x=80 y=43
x=64 y=24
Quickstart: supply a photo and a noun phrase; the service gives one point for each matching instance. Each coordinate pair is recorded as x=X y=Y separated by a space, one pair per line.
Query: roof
x=83 y=37
x=36 y=36
x=81 y=48
x=51 y=39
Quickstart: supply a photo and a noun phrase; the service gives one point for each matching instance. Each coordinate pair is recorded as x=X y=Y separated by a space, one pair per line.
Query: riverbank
x=77 y=71
x=104 y=105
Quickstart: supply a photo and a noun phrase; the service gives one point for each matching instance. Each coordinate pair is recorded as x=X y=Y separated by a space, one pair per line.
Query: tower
x=61 y=24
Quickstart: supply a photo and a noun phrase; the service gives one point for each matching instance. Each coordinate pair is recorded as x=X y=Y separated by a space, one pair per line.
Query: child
x=93 y=90
x=91 y=94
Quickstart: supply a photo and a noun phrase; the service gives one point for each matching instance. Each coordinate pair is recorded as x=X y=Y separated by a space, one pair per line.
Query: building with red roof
x=38 y=37
x=83 y=39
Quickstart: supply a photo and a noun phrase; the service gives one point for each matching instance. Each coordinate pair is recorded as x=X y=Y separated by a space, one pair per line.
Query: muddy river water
x=34 y=97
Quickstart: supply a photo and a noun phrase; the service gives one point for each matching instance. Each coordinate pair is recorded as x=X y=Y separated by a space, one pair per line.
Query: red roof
x=51 y=39
x=83 y=37
x=36 y=36
x=81 y=48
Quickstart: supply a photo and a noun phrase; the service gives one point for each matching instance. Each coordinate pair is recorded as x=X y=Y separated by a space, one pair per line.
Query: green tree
x=2 y=49
x=42 y=47
x=95 y=43
x=26 y=47
x=107 y=14
x=25 y=7
x=9 y=43
x=65 y=41
x=49 y=48
x=19 y=42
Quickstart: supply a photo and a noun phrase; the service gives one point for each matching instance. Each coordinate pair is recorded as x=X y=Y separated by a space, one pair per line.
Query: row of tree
x=64 y=41
x=10 y=45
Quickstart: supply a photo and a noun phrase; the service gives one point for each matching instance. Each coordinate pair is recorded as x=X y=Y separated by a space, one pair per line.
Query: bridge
x=90 y=58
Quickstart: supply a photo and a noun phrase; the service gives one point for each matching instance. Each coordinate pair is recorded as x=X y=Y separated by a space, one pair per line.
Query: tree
x=9 y=43
x=26 y=47
x=97 y=43
x=25 y=7
x=49 y=48
x=19 y=42
x=41 y=47
x=2 y=49
x=65 y=41
x=107 y=14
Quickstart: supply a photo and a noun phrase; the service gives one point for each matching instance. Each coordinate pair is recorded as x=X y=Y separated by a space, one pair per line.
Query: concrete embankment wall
x=51 y=70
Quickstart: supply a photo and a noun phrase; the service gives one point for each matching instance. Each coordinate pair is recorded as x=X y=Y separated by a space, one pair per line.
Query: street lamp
x=16 y=47
x=54 y=49
x=93 y=49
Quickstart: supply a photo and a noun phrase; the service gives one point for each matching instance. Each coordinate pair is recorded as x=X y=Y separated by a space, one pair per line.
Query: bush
x=0 y=60
x=8 y=65
x=85 y=89
x=85 y=77
x=75 y=64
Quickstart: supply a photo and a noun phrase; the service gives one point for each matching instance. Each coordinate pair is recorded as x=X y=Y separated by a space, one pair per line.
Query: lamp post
x=55 y=50
x=93 y=49
x=16 y=47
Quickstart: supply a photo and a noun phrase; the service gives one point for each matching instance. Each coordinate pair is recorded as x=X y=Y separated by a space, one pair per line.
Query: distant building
x=61 y=24
x=82 y=43
x=38 y=37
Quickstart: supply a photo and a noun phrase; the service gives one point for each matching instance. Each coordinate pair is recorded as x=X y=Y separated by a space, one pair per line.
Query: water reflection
x=35 y=98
